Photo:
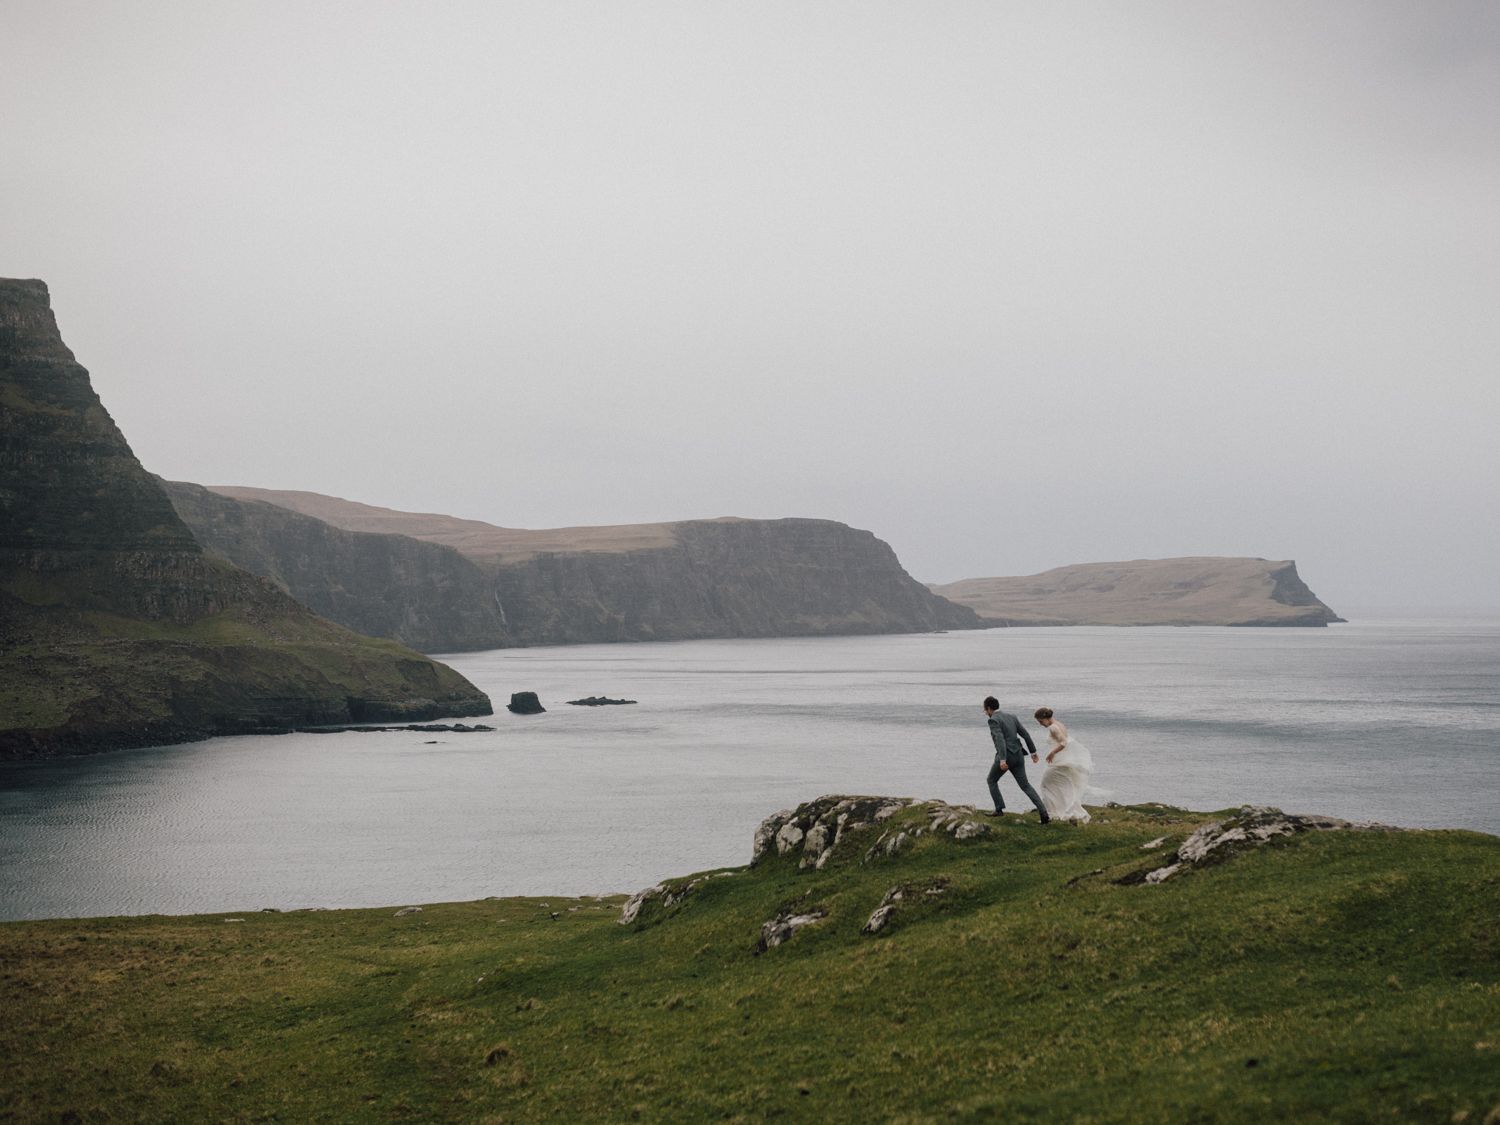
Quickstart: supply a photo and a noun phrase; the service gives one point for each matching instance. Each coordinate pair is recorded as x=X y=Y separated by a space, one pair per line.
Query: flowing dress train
x=1066 y=782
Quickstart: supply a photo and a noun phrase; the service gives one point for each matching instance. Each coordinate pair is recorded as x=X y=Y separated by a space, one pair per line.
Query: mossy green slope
x=1325 y=977
x=115 y=628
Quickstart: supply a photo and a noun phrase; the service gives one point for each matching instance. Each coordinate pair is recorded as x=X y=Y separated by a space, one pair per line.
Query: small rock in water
x=598 y=701
x=525 y=703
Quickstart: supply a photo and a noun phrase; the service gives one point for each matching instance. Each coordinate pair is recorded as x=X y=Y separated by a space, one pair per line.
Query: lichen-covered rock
x=634 y=903
x=669 y=894
x=781 y=928
x=1251 y=827
x=816 y=828
x=765 y=835
x=899 y=895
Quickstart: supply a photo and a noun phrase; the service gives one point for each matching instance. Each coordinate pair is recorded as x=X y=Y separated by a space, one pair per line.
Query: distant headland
x=1189 y=591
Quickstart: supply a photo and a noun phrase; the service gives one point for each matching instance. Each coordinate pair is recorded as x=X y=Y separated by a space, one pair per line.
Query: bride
x=1069 y=766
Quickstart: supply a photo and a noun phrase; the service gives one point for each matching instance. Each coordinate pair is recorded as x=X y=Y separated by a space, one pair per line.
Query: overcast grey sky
x=1011 y=285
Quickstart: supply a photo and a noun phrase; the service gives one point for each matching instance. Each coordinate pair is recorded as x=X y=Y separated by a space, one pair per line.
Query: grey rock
x=781 y=928
x=894 y=897
x=788 y=838
x=634 y=903
x=670 y=896
x=765 y=835
x=1251 y=827
x=408 y=910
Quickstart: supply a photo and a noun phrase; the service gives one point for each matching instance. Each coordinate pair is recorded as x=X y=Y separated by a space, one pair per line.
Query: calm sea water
x=1395 y=719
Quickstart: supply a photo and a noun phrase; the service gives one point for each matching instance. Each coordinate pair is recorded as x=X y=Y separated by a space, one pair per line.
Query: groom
x=1008 y=734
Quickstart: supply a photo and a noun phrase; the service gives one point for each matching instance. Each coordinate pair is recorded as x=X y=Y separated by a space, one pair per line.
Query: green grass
x=1357 y=970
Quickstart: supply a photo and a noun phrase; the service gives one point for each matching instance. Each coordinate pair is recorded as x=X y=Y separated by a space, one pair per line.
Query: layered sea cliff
x=118 y=629
x=447 y=585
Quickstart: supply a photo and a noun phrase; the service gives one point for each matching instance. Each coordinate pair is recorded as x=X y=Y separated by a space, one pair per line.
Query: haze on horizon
x=1012 y=286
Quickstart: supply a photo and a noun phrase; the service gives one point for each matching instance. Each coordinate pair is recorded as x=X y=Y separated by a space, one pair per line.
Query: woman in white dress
x=1069 y=767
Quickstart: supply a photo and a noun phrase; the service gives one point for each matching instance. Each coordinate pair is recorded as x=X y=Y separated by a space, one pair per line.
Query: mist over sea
x=1388 y=718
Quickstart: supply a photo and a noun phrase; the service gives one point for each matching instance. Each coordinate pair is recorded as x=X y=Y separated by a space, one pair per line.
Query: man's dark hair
x=992 y=703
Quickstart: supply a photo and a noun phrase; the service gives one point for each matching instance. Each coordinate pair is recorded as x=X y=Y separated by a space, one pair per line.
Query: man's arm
x=1025 y=737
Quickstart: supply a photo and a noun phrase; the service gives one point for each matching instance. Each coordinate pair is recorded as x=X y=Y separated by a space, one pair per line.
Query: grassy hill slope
x=1323 y=977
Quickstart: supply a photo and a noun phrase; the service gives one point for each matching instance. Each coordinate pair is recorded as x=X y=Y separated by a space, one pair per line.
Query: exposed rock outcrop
x=672 y=581
x=898 y=896
x=117 y=628
x=817 y=828
x=1251 y=827
x=665 y=895
x=1191 y=591
x=786 y=923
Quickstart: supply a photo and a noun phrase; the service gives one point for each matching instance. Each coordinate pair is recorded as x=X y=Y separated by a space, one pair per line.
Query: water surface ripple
x=1394 y=719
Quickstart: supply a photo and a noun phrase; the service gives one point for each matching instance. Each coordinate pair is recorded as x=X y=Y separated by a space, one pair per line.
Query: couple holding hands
x=1069 y=765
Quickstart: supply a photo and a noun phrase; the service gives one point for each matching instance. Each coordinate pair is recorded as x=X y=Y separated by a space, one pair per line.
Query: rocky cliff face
x=422 y=594
x=501 y=587
x=724 y=578
x=1190 y=591
x=117 y=628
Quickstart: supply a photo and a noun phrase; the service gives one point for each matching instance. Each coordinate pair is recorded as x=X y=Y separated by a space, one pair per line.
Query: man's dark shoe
x=1046 y=819
x=997 y=812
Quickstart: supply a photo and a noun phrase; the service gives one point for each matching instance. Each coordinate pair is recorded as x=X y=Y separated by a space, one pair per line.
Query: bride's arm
x=1059 y=735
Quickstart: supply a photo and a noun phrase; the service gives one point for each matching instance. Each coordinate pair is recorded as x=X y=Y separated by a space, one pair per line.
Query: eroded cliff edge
x=447 y=585
x=1187 y=591
x=118 y=630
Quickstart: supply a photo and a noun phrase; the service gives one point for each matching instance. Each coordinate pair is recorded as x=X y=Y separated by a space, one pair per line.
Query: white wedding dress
x=1066 y=782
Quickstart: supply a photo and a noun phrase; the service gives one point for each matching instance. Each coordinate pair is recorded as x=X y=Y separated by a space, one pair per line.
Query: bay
x=1394 y=719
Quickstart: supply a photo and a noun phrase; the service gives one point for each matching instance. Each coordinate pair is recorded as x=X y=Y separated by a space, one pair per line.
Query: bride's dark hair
x=1043 y=713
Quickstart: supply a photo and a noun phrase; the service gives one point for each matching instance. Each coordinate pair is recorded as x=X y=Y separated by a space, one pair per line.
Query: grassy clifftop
x=115 y=628
x=1334 y=976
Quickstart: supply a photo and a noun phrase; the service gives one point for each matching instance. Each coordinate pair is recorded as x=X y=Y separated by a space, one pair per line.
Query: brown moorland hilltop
x=1190 y=591
x=485 y=543
x=692 y=579
x=116 y=628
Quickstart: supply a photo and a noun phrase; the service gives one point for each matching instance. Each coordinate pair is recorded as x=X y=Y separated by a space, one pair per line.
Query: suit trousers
x=1018 y=771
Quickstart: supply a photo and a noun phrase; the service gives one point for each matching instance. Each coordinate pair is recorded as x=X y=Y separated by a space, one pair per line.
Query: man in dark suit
x=1010 y=757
